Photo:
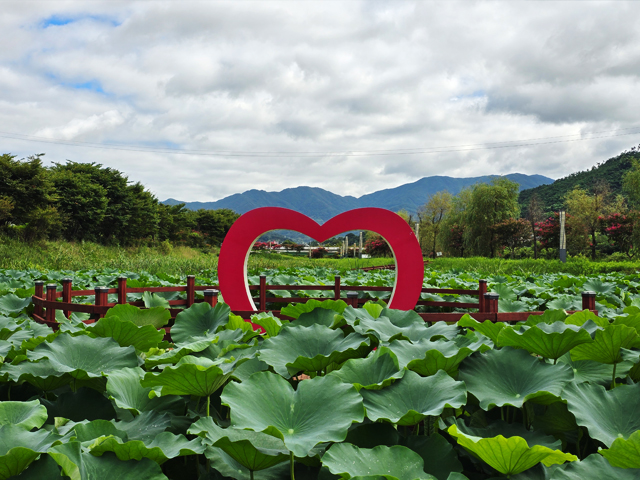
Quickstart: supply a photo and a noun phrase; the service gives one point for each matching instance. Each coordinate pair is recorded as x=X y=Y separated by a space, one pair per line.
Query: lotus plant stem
x=251 y=474
x=291 y=457
x=613 y=378
x=502 y=413
x=208 y=403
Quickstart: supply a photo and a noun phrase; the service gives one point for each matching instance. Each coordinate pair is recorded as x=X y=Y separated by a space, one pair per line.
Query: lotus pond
x=337 y=393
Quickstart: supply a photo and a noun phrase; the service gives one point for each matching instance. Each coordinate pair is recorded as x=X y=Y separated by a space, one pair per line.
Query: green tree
x=215 y=224
x=535 y=214
x=432 y=215
x=490 y=204
x=454 y=230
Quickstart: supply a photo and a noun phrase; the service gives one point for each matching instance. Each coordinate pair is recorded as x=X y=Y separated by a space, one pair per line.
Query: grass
x=59 y=255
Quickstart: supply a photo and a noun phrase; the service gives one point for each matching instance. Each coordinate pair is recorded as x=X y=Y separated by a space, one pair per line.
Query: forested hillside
x=89 y=202
x=610 y=171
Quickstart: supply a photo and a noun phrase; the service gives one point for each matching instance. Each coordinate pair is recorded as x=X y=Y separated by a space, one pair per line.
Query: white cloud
x=281 y=76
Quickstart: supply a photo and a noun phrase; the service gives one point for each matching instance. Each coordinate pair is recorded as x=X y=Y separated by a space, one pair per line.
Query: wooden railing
x=47 y=299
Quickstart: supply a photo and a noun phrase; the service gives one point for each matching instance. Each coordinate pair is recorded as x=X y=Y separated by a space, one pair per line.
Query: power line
x=345 y=153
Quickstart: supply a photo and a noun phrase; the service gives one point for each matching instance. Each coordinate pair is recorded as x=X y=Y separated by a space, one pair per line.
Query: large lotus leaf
x=42 y=375
x=125 y=389
x=374 y=309
x=439 y=330
x=19 y=447
x=146 y=426
x=607 y=344
x=45 y=468
x=426 y=357
x=624 y=453
x=28 y=415
x=487 y=328
x=374 y=372
x=164 y=446
x=270 y=323
x=392 y=463
x=606 y=414
x=12 y=304
x=318 y=316
x=198 y=321
x=548 y=316
x=190 y=376
x=85 y=357
x=230 y=468
x=594 y=467
x=402 y=318
x=630 y=321
x=565 y=302
x=248 y=368
x=440 y=459
x=580 y=318
x=384 y=330
x=594 y=372
x=236 y=322
x=157 y=317
x=513 y=306
x=127 y=333
x=509 y=455
x=321 y=410
x=88 y=431
x=413 y=398
x=311 y=349
x=598 y=286
x=511 y=377
x=547 y=340
x=253 y=450
x=79 y=465
x=296 y=309
x=153 y=300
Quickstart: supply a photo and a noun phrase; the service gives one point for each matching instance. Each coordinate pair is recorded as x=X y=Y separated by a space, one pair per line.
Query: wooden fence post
x=122 y=290
x=336 y=287
x=211 y=296
x=51 y=297
x=66 y=294
x=101 y=297
x=491 y=302
x=191 y=290
x=352 y=299
x=39 y=292
x=482 y=289
x=263 y=292
x=588 y=300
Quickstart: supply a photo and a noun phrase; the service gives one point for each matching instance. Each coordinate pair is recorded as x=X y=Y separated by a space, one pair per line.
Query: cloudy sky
x=202 y=99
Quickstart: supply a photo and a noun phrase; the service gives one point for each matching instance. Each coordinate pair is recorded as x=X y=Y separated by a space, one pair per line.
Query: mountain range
x=321 y=204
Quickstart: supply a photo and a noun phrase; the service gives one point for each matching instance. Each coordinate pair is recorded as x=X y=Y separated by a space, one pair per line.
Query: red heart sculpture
x=234 y=253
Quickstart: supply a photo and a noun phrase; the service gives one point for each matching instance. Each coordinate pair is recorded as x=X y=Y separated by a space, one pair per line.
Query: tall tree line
x=89 y=202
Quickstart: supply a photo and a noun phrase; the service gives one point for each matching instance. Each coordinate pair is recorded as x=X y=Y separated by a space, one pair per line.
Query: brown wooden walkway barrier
x=46 y=303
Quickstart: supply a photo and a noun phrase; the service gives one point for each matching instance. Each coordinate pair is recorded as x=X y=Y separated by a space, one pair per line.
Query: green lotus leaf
x=42 y=375
x=579 y=318
x=88 y=431
x=45 y=468
x=439 y=330
x=374 y=372
x=440 y=458
x=505 y=292
x=19 y=447
x=565 y=302
x=426 y=357
x=174 y=355
x=269 y=322
x=126 y=333
x=392 y=463
x=384 y=330
x=624 y=453
x=548 y=316
x=511 y=455
x=607 y=344
x=632 y=321
x=190 y=376
x=157 y=317
x=606 y=414
x=311 y=349
x=199 y=321
x=511 y=377
x=164 y=446
x=598 y=286
x=319 y=316
x=79 y=465
x=12 y=304
x=248 y=368
x=374 y=309
x=236 y=322
x=146 y=426
x=253 y=450
x=230 y=468
x=594 y=372
x=413 y=398
x=125 y=389
x=84 y=357
x=594 y=467
x=403 y=318
x=547 y=340
x=296 y=309
x=153 y=300
x=487 y=328
x=28 y=415
x=498 y=427
x=321 y=410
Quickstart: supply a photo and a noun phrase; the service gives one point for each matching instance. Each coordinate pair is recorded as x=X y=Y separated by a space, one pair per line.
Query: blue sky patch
x=60 y=20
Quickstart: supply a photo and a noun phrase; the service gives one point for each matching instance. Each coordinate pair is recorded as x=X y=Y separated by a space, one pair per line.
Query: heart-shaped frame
x=234 y=253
